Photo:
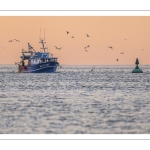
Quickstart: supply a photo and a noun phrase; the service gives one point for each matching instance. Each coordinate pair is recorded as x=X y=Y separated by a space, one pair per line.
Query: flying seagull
x=16 y=40
x=87 y=35
x=92 y=69
x=88 y=46
x=57 y=47
x=117 y=60
x=72 y=36
x=122 y=53
x=67 y=32
x=110 y=47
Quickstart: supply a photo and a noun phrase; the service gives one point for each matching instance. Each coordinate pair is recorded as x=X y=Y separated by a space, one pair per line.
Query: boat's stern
x=21 y=69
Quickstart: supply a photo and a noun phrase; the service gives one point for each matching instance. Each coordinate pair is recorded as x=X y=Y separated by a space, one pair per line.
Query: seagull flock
x=85 y=48
x=73 y=38
x=11 y=41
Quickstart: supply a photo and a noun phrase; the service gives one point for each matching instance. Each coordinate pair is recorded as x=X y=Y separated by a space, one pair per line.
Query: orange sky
x=104 y=31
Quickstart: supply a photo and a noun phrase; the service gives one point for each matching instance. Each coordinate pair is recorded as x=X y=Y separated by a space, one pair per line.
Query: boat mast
x=42 y=41
x=44 y=33
x=40 y=34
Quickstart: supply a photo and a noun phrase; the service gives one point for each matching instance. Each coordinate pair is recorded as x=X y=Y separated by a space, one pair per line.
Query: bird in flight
x=86 y=50
x=87 y=47
x=110 y=47
x=87 y=35
x=117 y=60
x=16 y=40
x=92 y=69
x=72 y=36
x=125 y=39
x=10 y=40
x=57 y=47
x=67 y=32
x=122 y=53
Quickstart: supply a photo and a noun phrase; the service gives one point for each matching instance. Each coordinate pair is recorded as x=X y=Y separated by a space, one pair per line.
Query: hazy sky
x=104 y=32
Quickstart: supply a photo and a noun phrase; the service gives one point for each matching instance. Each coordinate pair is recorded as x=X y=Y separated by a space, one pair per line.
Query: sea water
x=75 y=100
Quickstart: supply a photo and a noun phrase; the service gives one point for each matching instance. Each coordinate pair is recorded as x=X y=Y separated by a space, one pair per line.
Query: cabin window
x=42 y=60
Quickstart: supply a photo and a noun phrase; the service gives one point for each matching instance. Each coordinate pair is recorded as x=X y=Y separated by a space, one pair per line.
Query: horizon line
x=74 y=10
x=92 y=64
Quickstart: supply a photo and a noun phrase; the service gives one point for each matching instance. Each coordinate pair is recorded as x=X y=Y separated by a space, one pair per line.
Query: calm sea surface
x=109 y=99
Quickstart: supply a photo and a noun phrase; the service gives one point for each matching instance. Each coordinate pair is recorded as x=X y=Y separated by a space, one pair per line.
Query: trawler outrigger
x=37 y=62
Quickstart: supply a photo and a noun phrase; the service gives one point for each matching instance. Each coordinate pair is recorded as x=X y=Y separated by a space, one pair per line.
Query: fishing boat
x=37 y=62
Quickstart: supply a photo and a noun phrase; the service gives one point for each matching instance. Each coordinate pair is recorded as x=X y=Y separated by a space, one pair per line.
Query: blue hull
x=48 y=67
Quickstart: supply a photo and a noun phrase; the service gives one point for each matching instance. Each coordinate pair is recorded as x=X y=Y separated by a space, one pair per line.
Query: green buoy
x=137 y=69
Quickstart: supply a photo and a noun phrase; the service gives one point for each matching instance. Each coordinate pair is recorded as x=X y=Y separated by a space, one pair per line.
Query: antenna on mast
x=44 y=33
x=40 y=33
